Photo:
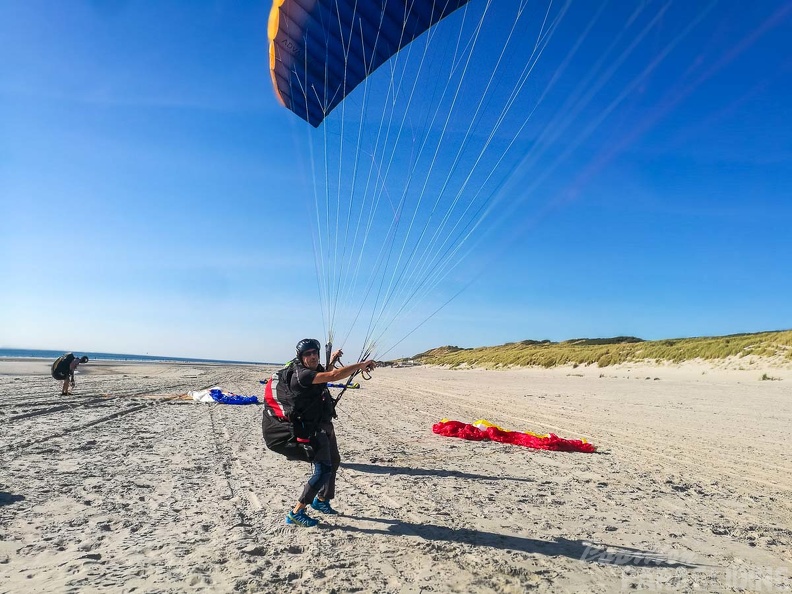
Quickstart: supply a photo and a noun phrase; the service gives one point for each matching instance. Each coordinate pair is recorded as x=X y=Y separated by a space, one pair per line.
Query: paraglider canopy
x=320 y=50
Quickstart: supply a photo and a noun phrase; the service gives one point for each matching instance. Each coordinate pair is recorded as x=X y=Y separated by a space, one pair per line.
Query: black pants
x=325 y=466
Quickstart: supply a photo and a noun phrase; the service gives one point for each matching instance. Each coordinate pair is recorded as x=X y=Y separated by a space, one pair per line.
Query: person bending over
x=314 y=408
x=63 y=369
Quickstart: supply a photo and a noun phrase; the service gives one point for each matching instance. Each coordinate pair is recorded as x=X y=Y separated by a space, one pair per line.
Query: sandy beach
x=128 y=486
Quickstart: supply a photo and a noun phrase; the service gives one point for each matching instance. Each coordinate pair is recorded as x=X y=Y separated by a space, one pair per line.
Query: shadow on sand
x=9 y=498
x=376 y=469
x=574 y=549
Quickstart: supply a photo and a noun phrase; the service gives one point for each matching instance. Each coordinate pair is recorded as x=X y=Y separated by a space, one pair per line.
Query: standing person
x=63 y=369
x=315 y=408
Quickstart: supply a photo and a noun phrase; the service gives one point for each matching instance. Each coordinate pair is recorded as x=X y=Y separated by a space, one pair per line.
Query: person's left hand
x=336 y=356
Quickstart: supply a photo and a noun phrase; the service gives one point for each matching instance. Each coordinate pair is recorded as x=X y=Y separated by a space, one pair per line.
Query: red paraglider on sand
x=485 y=431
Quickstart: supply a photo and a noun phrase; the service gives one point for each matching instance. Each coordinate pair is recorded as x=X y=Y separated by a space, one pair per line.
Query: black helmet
x=83 y=359
x=308 y=344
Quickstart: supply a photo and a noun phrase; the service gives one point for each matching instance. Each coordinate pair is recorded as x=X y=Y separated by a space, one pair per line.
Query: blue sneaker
x=323 y=506
x=300 y=519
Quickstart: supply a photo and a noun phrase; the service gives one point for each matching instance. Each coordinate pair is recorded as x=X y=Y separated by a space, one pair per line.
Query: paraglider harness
x=62 y=366
x=285 y=431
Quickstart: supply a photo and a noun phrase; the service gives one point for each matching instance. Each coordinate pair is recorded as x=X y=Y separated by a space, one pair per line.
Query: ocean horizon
x=54 y=354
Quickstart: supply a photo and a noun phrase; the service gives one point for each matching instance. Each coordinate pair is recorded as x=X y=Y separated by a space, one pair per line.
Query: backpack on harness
x=61 y=366
x=284 y=433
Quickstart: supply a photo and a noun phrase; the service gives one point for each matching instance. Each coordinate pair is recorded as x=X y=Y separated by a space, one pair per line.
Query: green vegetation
x=769 y=378
x=610 y=351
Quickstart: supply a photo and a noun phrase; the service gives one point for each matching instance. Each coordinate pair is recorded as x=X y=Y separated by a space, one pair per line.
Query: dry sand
x=125 y=487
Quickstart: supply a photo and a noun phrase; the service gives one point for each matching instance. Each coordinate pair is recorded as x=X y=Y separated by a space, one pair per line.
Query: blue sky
x=157 y=199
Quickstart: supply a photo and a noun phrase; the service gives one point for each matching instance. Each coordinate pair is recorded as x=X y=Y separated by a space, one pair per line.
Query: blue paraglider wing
x=320 y=50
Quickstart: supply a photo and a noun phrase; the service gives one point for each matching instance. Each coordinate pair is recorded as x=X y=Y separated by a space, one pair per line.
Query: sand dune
x=125 y=486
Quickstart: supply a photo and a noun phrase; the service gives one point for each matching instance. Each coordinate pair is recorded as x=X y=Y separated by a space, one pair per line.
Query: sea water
x=45 y=354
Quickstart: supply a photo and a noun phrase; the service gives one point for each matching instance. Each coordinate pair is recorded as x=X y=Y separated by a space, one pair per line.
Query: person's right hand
x=336 y=357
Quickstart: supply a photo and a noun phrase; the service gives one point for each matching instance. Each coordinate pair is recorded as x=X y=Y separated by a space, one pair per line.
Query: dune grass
x=610 y=351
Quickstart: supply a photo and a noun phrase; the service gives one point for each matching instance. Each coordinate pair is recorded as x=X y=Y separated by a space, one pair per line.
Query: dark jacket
x=313 y=403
